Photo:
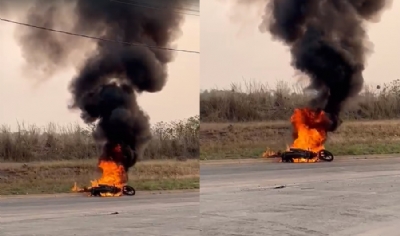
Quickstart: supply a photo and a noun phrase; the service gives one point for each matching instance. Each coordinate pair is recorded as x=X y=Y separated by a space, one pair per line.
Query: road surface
x=342 y=198
x=142 y=215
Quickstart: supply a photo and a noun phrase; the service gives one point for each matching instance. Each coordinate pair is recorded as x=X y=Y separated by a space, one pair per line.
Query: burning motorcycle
x=296 y=153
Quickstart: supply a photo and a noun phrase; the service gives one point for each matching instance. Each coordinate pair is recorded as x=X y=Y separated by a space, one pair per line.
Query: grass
x=59 y=176
x=175 y=140
x=250 y=140
x=258 y=102
x=50 y=159
x=246 y=120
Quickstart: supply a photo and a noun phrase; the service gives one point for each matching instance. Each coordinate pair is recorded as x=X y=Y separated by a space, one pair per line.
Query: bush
x=31 y=143
x=257 y=102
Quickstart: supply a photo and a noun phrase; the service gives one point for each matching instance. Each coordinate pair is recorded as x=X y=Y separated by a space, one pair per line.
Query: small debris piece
x=280 y=187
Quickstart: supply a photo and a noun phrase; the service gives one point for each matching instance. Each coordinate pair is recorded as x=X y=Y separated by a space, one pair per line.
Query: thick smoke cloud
x=328 y=42
x=112 y=74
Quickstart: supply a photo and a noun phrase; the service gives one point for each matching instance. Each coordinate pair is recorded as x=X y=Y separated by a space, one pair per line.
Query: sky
x=23 y=100
x=233 y=50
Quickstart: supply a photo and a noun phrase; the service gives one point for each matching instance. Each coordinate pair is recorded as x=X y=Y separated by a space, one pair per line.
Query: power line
x=155 y=8
x=97 y=38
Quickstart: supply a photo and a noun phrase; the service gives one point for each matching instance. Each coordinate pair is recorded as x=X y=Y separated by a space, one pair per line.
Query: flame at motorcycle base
x=310 y=129
x=114 y=179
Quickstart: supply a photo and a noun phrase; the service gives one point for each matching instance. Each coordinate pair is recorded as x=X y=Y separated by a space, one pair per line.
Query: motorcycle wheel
x=128 y=190
x=325 y=155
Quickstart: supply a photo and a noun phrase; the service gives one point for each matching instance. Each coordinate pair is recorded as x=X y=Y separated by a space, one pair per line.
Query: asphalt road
x=342 y=198
x=142 y=215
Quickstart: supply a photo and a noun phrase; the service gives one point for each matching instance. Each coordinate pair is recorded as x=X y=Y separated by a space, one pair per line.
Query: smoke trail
x=328 y=42
x=108 y=80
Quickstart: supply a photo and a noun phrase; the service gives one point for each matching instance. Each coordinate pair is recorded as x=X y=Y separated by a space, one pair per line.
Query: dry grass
x=251 y=139
x=59 y=176
x=31 y=143
x=242 y=123
x=36 y=160
x=258 y=102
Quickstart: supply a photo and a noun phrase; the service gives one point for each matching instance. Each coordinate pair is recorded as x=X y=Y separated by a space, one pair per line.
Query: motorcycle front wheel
x=128 y=190
x=325 y=155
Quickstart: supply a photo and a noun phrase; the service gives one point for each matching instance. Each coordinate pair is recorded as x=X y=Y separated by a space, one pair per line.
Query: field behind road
x=59 y=176
x=49 y=160
x=251 y=139
x=249 y=118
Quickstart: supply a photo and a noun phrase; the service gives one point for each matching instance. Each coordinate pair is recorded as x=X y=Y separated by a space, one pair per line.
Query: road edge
x=63 y=195
x=274 y=160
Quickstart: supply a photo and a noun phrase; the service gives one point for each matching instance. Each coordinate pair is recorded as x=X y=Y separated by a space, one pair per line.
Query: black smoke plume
x=328 y=42
x=112 y=74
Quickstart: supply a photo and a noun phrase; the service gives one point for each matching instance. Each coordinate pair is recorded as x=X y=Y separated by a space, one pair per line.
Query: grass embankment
x=59 y=176
x=35 y=160
x=243 y=123
x=250 y=140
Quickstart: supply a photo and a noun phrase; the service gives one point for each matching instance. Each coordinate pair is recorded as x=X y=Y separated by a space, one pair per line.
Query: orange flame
x=269 y=153
x=113 y=174
x=309 y=132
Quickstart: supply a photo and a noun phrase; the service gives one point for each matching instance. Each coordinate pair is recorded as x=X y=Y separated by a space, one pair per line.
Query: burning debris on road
x=114 y=177
x=309 y=135
x=294 y=155
x=102 y=190
x=111 y=74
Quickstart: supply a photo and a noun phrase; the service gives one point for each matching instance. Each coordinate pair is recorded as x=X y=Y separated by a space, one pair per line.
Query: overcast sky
x=233 y=51
x=24 y=101
x=230 y=53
